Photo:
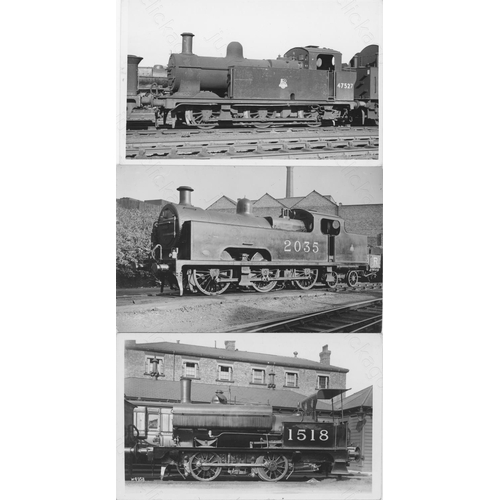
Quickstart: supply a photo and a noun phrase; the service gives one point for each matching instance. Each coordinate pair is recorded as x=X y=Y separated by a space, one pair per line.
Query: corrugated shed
x=358 y=411
x=234 y=355
x=149 y=389
x=361 y=398
x=362 y=436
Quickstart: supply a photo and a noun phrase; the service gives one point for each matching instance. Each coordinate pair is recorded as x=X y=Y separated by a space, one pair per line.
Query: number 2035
x=298 y=246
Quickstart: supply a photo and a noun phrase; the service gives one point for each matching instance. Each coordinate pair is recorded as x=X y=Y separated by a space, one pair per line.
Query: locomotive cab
x=341 y=80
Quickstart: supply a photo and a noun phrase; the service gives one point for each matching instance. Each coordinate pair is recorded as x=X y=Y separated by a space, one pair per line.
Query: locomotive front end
x=166 y=234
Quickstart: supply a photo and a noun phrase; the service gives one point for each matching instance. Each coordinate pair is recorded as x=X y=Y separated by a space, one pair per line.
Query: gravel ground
x=194 y=314
x=324 y=489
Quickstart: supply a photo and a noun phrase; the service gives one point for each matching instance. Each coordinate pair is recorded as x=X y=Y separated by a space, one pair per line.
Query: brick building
x=360 y=219
x=132 y=203
x=153 y=372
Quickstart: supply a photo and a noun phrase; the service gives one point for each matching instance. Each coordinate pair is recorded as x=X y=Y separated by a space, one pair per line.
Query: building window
x=190 y=369
x=291 y=379
x=258 y=376
x=154 y=366
x=323 y=381
x=225 y=373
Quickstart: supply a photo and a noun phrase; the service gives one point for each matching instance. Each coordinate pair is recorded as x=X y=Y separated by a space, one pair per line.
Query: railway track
x=345 y=142
x=364 y=316
x=340 y=288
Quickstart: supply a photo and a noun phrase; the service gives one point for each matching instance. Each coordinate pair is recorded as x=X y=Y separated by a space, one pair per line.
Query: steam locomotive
x=200 y=440
x=206 y=251
x=307 y=86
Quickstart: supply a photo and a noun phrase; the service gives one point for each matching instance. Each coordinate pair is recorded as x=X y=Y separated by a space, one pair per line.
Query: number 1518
x=309 y=434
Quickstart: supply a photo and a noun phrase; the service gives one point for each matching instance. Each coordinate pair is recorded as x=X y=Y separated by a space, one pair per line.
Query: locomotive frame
x=202 y=251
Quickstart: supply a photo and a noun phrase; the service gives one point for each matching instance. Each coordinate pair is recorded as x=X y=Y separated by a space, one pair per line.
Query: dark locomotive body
x=201 y=440
x=208 y=251
x=308 y=86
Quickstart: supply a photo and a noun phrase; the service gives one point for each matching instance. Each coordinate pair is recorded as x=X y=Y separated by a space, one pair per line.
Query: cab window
x=330 y=226
x=325 y=62
x=153 y=422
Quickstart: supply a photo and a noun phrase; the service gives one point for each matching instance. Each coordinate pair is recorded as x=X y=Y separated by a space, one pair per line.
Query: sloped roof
x=234 y=355
x=314 y=199
x=362 y=398
x=145 y=388
x=290 y=202
x=267 y=201
x=223 y=202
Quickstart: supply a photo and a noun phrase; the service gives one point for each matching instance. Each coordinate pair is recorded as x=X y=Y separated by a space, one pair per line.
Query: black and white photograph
x=249 y=249
x=251 y=80
x=216 y=219
x=282 y=416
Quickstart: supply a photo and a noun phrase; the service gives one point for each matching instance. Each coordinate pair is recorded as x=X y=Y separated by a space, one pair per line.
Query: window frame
x=263 y=371
x=296 y=375
x=230 y=371
x=148 y=364
x=196 y=368
x=322 y=375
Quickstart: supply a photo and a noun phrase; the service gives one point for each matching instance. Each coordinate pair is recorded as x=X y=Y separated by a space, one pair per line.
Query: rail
x=364 y=316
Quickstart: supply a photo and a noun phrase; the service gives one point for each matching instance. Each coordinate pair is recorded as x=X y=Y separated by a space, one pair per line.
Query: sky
x=347 y=185
x=361 y=354
x=265 y=28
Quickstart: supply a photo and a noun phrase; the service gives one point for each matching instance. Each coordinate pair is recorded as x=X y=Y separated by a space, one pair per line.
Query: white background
x=440 y=236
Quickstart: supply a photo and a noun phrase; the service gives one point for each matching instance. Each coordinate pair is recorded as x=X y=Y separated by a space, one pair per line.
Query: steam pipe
x=185 y=390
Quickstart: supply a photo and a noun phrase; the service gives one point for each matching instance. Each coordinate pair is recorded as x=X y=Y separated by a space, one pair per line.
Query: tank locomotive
x=307 y=86
x=207 y=251
x=202 y=440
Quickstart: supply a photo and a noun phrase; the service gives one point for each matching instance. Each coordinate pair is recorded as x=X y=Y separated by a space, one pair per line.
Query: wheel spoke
x=204 y=472
x=333 y=283
x=207 y=280
x=275 y=467
x=305 y=284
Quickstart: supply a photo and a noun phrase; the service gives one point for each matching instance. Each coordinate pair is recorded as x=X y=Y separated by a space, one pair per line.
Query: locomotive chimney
x=244 y=207
x=185 y=390
x=187 y=43
x=185 y=195
x=289 y=182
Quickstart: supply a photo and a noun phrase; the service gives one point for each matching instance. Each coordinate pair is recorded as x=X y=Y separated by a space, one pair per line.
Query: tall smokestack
x=187 y=43
x=289 y=182
x=185 y=390
x=185 y=195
